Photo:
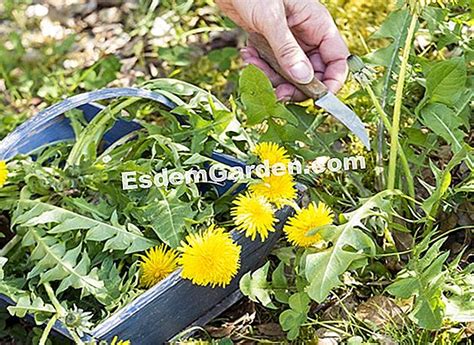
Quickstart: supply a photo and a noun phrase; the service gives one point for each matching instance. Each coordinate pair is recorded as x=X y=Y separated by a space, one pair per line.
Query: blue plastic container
x=174 y=304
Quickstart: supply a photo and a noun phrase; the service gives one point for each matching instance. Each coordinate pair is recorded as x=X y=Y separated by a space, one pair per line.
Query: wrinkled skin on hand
x=303 y=36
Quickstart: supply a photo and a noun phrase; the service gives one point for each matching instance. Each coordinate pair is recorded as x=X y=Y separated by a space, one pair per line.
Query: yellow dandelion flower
x=116 y=341
x=3 y=173
x=271 y=152
x=211 y=258
x=306 y=220
x=277 y=189
x=157 y=264
x=254 y=215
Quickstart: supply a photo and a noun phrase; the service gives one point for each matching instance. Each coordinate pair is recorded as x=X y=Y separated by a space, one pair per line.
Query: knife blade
x=345 y=115
x=316 y=90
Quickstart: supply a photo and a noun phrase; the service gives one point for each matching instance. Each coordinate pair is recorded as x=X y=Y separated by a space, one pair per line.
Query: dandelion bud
x=362 y=73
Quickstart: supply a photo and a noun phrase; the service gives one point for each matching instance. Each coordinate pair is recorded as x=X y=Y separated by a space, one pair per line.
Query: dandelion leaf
x=116 y=236
x=349 y=244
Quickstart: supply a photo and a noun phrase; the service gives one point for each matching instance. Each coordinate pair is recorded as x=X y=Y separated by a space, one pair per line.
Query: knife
x=315 y=90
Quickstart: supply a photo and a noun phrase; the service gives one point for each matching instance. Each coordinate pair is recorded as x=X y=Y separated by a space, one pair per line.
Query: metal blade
x=343 y=113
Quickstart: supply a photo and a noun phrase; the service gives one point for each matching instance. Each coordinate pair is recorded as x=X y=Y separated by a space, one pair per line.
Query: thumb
x=289 y=53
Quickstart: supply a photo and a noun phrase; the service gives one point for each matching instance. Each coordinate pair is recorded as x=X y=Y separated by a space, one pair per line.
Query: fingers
x=287 y=92
x=334 y=53
x=313 y=25
x=284 y=90
x=335 y=75
x=288 y=52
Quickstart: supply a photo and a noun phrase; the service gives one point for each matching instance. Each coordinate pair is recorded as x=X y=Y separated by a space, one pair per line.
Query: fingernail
x=284 y=99
x=244 y=54
x=301 y=72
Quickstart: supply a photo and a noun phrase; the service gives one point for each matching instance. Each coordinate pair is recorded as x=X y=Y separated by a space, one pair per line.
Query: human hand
x=303 y=36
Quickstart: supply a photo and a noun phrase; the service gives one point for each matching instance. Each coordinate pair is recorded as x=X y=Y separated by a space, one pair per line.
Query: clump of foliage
x=394 y=266
x=422 y=95
x=74 y=230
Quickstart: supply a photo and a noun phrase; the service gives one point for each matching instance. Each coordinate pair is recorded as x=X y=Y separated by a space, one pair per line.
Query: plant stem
x=60 y=312
x=47 y=330
x=401 y=153
x=398 y=104
x=52 y=297
x=75 y=337
x=10 y=245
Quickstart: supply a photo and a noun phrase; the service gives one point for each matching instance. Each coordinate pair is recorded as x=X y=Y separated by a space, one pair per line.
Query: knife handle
x=314 y=89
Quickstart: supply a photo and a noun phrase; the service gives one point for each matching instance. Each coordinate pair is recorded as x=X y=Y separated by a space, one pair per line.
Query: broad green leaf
x=259 y=98
x=350 y=243
x=280 y=283
x=445 y=81
x=442 y=121
x=299 y=302
x=428 y=314
x=434 y=17
x=223 y=57
x=404 y=288
x=323 y=269
x=117 y=237
x=392 y=25
x=177 y=55
x=281 y=133
x=255 y=286
x=291 y=321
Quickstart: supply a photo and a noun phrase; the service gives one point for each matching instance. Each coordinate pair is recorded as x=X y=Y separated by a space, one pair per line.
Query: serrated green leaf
x=324 y=268
x=116 y=237
x=424 y=279
x=26 y=305
x=53 y=262
x=167 y=218
x=443 y=182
